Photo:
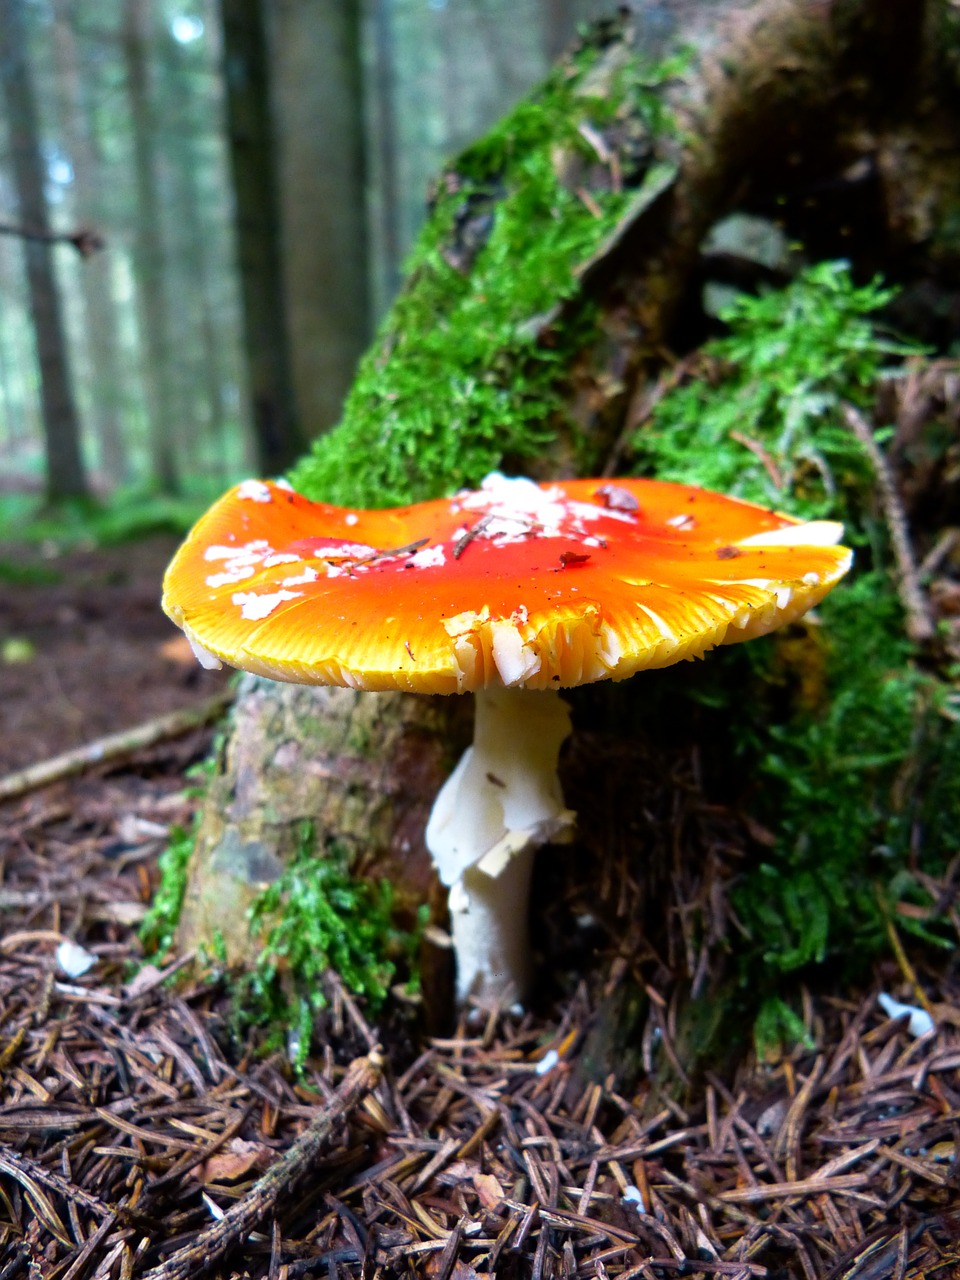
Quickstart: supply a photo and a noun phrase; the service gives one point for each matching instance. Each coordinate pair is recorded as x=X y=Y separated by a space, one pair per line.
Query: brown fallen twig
x=114 y=747
x=211 y=1245
x=919 y=622
x=25 y=1171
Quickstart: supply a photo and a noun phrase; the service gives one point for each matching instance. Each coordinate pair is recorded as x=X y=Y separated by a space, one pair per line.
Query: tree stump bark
x=360 y=768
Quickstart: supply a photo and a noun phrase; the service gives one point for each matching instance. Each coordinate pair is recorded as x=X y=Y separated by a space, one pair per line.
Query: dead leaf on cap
x=572 y=557
x=616 y=498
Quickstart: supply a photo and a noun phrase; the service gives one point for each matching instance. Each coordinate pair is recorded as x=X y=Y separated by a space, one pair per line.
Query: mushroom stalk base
x=501 y=803
x=488 y=923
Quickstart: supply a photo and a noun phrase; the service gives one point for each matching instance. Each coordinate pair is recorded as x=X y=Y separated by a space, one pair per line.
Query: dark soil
x=100 y=655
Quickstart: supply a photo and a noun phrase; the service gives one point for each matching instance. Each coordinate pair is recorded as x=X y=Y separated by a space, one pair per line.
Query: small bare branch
x=759 y=452
x=114 y=747
x=85 y=240
x=920 y=626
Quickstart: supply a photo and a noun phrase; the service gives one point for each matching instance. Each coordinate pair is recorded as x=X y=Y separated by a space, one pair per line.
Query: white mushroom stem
x=498 y=806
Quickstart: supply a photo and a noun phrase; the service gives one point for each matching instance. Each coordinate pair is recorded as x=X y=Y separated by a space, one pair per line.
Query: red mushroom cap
x=536 y=586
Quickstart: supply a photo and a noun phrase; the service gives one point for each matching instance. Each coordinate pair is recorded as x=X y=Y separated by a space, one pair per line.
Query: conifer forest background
x=381 y=248
x=159 y=159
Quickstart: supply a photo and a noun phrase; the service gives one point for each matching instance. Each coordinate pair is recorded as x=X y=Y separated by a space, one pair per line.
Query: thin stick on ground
x=211 y=1245
x=919 y=621
x=114 y=747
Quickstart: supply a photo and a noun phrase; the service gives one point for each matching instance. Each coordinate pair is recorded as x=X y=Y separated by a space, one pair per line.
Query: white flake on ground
x=74 y=960
x=213 y=1208
x=547 y=1062
x=919 y=1022
x=633 y=1195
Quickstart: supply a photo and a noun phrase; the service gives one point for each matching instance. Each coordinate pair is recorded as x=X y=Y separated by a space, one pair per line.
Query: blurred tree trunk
x=253 y=160
x=19 y=357
x=318 y=98
x=95 y=275
x=784 y=107
x=386 y=184
x=65 y=470
x=197 y=271
x=16 y=430
x=149 y=256
x=193 y=236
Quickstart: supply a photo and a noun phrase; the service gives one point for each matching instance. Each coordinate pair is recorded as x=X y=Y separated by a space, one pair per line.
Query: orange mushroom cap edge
x=524 y=585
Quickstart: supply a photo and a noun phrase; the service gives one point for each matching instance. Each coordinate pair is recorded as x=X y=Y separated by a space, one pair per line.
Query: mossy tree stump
x=839 y=120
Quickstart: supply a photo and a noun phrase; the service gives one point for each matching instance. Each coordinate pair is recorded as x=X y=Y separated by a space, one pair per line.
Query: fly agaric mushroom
x=512 y=592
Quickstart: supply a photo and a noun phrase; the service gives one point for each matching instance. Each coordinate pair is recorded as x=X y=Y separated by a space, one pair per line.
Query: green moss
x=468 y=368
x=831 y=786
x=359 y=739
x=160 y=923
x=836 y=726
x=159 y=927
x=318 y=916
x=778 y=1026
x=776 y=382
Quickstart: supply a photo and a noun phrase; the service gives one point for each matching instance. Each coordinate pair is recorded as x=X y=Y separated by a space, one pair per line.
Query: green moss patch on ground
x=318 y=916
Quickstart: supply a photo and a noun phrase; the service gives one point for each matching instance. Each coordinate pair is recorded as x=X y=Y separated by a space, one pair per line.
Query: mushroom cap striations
x=540 y=586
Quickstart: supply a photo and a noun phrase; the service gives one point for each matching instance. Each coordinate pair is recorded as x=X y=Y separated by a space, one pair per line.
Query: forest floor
x=137 y=1137
x=85 y=649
